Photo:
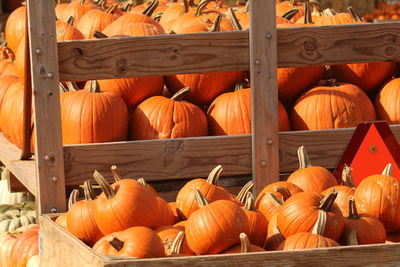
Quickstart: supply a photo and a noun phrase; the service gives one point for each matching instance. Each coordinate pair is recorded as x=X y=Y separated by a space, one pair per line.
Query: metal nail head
x=268 y=36
x=38 y=51
x=269 y=141
x=50 y=75
x=257 y=62
x=53 y=210
x=54 y=179
x=263 y=163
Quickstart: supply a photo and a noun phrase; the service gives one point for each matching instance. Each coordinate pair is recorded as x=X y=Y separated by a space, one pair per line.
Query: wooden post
x=46 y=99
x=265 y=119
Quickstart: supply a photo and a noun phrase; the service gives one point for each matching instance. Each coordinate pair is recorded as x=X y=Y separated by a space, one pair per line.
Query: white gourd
x=13 y=219
x=6 y=197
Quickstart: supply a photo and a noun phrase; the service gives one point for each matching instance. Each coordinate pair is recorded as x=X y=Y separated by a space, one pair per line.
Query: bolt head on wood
x=268 y=36
x=263 y=163
x=50 y=75
x=269 y=141
x=257 y=62
x=38 y=51
x=54 y=179
x=53 y=210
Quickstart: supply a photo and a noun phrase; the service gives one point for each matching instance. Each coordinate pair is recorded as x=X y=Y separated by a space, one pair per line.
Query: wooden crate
x=264 y=154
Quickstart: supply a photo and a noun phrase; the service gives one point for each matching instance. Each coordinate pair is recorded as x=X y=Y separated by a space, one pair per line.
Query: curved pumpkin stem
x=177 y=244
x=200 y=199
x=249 y=204
x=304 y=160
x=388 y=171
x=307 y=13
x=62 y=88
x=283 y=191
x=105 y=186
x=347 y=177
x=320 y=224
x=88 y=191
x=181 y=94
x=352 y=238
x=354 y=14
x=116 y=174
x=292 y=2
x=233 y=19
x=241 y=197
x=111 y=9
x=151 y=8
x=116 y=243
x=214 y=175
x=275 y=200
x=94 y=86
x=290 y=14
x=217 y=24
x=327 y=202
x=70 y=21
x=353 y=214
x=200 y=8
x=330 y=12
x=72 y=86
x=73 y=197
x=244 y=243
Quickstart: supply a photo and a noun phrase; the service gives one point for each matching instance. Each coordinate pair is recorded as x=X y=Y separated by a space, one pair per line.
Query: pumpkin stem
x=157 y=16
x=151 y=8
x=214 y=175
x=275 y=200
x=94 y=86
x=62 y=88
x=200 y=8
x=105 y=186
x=71 y=20
x=331 y=83
x=307 y=14
x=243 y=192
x=244 y=243
x=352 y=238
x=116 y=174
x=177 y=244
x=304 y=160
x=181 y=94
x=217 y=24
x=246 y=7
x=354 y=14
x=353 y=214
x=72 y=86
x=116 y=243
x=388 y=171
x=347 y=177
x=290 y=14
x=200 y=199
x=330 y=12
x=233 y=19
x=111 y=9
x=142 y=181
x=283 y=191
x=73 y=197
x=88 y=190
x=186 y=7
x=292 y=2
x=327 y=202
x=99 y=35
x=249 y=204
x=320 y=224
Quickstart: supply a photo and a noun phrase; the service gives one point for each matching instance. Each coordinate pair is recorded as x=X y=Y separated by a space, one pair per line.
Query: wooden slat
x=173 y=54
x=23 y=170
x=47 y=115
x=264 y=93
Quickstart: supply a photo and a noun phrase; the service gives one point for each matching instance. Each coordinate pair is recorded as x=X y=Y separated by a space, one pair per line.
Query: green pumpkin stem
x=327 y=202
x=94 y=86
x=116 y=174
x=241 y=197
x=347 y=177
x=200 y=8
x=352 y=238
x=320 y=224
x=99 y=35
x=233 y=19
x=290 y=14
x=249 y=203
x=304 y=160
x=283 y=191
x=177 y=244
x=213 y=177
x=73 y=197
x=181 y=94
x=116 y=243
x=105 y=186
x=388 y=171
x=88 y=191
x=70 y=21
x=200 y=199
x=151 y=8
x=275 y=200
x=353 y=214
x=245 y=244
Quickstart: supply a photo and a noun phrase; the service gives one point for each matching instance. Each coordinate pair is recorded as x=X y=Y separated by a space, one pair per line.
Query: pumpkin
x=379 y=196
x=60 y=7
x=161 y=118
x=242 y=195
x=80 y=219
x=172 y=12
x=15 y=28
x=345 y=190
x=166 y=215
x=76 y=9
x=216 y=226
x=285 y=6
x=274 y=236
x=93 y=117
x=392 y=237
x=7 y=241
x=140 y=206
x=181 y=224
x=272 y=197
x=96 y=20
x=13 y=219
x=158 y=5
x=387 y=101
x=258 y=224
x=348 y=106
x=25 y=247
x=311 y=178
x=6 y=62
x=168 y=235
x=62 y=219
x=177 y=246
x=230 y=113
x=300 y=213
x=315 y=239
x=186 y=198
x=175 y=211
x=140 y=242
x=361 y=229
x=245 y=246
x=6 y=197
x=141 y=181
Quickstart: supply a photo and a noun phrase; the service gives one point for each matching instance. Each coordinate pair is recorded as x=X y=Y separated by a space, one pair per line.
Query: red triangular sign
x=371 y=148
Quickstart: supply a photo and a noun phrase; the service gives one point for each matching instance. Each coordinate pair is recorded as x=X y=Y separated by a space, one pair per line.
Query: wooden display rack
x=265 y=153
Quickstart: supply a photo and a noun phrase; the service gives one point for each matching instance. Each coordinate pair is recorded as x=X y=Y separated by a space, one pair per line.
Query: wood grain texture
x=173 y=54
x=23 y=170
x=46 y=97
x=61 y=249
x=264 y=93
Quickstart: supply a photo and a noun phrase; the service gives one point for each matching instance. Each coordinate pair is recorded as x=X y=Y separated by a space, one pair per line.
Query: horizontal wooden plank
x=224 y=51
x=23 y=170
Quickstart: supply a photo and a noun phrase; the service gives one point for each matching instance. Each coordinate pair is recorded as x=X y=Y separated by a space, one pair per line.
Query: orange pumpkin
x=177 y=247
x=77 y=9
x=242 y=195
x=25 y=247
x=258 y=224
x=7 y=241
x=15 y=28
x=274 y=236
x=6 y=82
x=166 y=215
x=168 y=235
x=62 y=219
x=285 y=6
x=172 y=12
x=245 y=246
x=387 y=103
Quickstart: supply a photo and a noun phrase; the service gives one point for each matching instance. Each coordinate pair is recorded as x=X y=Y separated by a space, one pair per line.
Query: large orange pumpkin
x=25 y=247
x=387 y=103
x=15 y=28
x=7 y=241
x=172 y=12
x=166 y=215
x=6 y=82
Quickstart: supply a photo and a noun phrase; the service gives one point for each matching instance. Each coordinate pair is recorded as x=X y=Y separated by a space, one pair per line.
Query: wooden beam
x=14 y=185
x=47 y=115
x=224 y=51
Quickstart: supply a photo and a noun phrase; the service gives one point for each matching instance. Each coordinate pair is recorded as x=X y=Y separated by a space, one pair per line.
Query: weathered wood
x=47 y=115
x=264 y=93
x=14 y=185
x=172 y=54
x=23 y=170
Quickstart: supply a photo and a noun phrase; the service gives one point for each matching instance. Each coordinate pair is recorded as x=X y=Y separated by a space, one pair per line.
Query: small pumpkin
x=258 y=224
x=245 y=246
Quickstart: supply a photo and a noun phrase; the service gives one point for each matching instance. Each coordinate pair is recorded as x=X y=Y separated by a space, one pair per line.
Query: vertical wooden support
x=46 y=99
x=265 y=119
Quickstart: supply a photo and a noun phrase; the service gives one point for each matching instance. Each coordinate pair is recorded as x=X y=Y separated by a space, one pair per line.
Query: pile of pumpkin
x=191 y=105
x=309 y=210
x=384 y=11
